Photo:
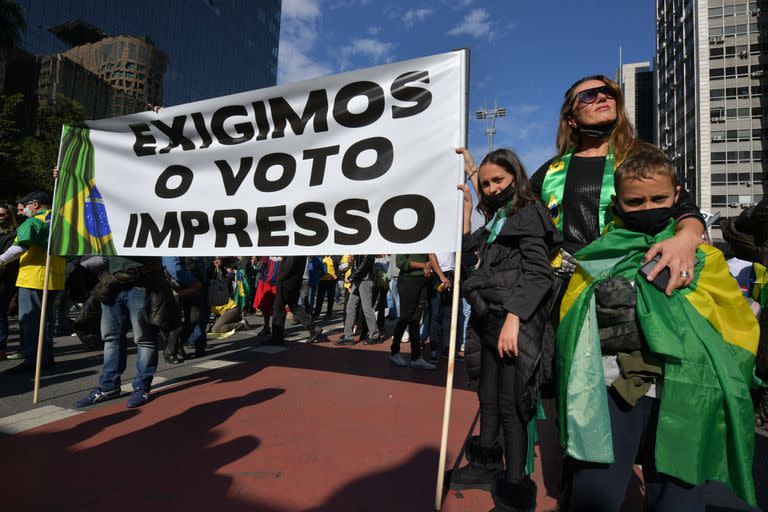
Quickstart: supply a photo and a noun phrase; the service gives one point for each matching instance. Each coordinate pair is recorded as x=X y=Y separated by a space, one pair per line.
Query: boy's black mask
x=650 y=222
x=500 y=199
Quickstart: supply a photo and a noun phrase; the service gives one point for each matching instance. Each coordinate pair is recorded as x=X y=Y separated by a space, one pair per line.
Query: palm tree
x=12 y=24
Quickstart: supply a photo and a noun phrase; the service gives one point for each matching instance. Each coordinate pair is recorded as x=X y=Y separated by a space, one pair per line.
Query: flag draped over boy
x=707 y=336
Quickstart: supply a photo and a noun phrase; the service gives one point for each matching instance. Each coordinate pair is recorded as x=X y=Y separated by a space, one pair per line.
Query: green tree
x=39 y=153
x=12 y=25
x=10 y=145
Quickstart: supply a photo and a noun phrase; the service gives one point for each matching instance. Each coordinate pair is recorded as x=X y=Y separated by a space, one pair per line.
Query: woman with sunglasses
x=593 y=137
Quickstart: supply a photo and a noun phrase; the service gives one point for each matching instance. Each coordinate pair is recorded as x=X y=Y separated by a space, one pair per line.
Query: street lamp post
x=490 y=115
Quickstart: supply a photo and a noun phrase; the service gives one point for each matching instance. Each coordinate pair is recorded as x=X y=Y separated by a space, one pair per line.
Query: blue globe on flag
x=95 y=214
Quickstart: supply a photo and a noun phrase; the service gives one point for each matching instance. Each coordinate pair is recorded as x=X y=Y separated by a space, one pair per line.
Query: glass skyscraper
x=214 y=47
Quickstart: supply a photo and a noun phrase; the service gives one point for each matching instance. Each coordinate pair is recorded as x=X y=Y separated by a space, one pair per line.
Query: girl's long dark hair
x=508 y=160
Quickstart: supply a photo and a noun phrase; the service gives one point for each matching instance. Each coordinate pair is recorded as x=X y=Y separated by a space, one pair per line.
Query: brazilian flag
x=243 y=293
x=707 y=336
x=80 y=225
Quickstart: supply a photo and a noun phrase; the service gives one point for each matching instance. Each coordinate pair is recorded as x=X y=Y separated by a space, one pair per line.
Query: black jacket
x=291 y=267
x=163 y=310
x=513 y=275
x=363 y=269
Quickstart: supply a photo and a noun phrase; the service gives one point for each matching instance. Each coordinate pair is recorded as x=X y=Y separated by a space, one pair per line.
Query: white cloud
x=476 y=24
x=298 y=37
x=415 y=15
x=373 y=30
x=348 y=4
x=301 y=9
x=377 y=51
x=465 y=3
x=527 y=108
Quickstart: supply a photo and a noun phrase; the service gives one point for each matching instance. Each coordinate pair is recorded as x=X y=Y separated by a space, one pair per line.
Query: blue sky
x=523 y=53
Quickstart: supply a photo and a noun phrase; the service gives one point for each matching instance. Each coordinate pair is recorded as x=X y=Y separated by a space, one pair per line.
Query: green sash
x=497 y=222
x=554 y=186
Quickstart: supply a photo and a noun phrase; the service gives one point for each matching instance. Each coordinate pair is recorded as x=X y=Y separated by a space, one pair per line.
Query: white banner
x=361 y=162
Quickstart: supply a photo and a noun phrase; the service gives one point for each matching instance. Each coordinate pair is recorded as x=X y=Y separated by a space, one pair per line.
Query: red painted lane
x=318 y=428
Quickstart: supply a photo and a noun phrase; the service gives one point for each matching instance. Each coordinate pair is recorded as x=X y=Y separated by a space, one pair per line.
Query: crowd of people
x=592 y=285
x=174 y=304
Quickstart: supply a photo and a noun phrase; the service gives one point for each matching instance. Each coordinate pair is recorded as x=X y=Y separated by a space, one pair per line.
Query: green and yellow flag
x=80 y=225
x=243 y=292
x=707 y=336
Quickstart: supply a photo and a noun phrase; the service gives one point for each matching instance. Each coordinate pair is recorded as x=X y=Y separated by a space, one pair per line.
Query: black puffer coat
x=513 y=274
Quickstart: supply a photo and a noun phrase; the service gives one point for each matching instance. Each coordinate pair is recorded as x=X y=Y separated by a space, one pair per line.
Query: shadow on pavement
x=173 y=464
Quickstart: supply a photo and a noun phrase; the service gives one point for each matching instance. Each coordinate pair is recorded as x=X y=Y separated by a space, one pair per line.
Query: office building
x=213 y=47
x=711 y=83
x=637 y=84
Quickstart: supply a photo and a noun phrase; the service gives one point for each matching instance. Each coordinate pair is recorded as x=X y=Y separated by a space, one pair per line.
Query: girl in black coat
x=509 y=288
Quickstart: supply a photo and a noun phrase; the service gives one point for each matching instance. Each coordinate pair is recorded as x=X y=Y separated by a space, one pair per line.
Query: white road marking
x=157 y=382
x=213 y=364
x=34 y=418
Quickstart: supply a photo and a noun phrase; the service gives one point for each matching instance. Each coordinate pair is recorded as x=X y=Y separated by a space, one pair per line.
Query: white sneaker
x=422 y=364
x=398 y=359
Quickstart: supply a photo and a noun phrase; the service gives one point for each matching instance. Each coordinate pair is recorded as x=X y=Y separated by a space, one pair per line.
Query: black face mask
x=600 y=131
x=497 y=201
x=650 y=222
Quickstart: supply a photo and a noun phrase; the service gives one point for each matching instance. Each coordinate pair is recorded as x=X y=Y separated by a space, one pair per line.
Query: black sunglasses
x=588 y=96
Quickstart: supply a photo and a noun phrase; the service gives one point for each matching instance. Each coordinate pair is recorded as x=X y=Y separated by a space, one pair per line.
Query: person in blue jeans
x=30 y=248
x=127 y=296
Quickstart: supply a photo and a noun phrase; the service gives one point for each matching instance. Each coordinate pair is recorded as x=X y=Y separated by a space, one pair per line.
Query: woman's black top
x=581 y=200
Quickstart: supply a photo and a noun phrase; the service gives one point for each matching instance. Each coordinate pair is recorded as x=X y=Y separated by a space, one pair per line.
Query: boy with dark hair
x=644 y=376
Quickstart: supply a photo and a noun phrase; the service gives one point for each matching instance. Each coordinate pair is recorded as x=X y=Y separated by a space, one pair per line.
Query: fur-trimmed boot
x=509 y=497
x=484 y=464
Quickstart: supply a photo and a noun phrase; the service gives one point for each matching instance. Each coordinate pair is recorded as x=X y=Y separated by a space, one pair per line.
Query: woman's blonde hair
x=622 y=136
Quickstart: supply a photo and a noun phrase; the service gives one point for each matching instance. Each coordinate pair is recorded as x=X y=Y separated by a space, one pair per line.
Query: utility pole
x=490 y=115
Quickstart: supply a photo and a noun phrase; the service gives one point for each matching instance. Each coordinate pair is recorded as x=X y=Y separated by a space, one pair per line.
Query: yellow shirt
x=347 y=258
x=330 y=271
x=32 y=234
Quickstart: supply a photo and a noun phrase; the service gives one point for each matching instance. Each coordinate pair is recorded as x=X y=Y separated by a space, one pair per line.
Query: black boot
x=509 y=497
x=484 y=464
